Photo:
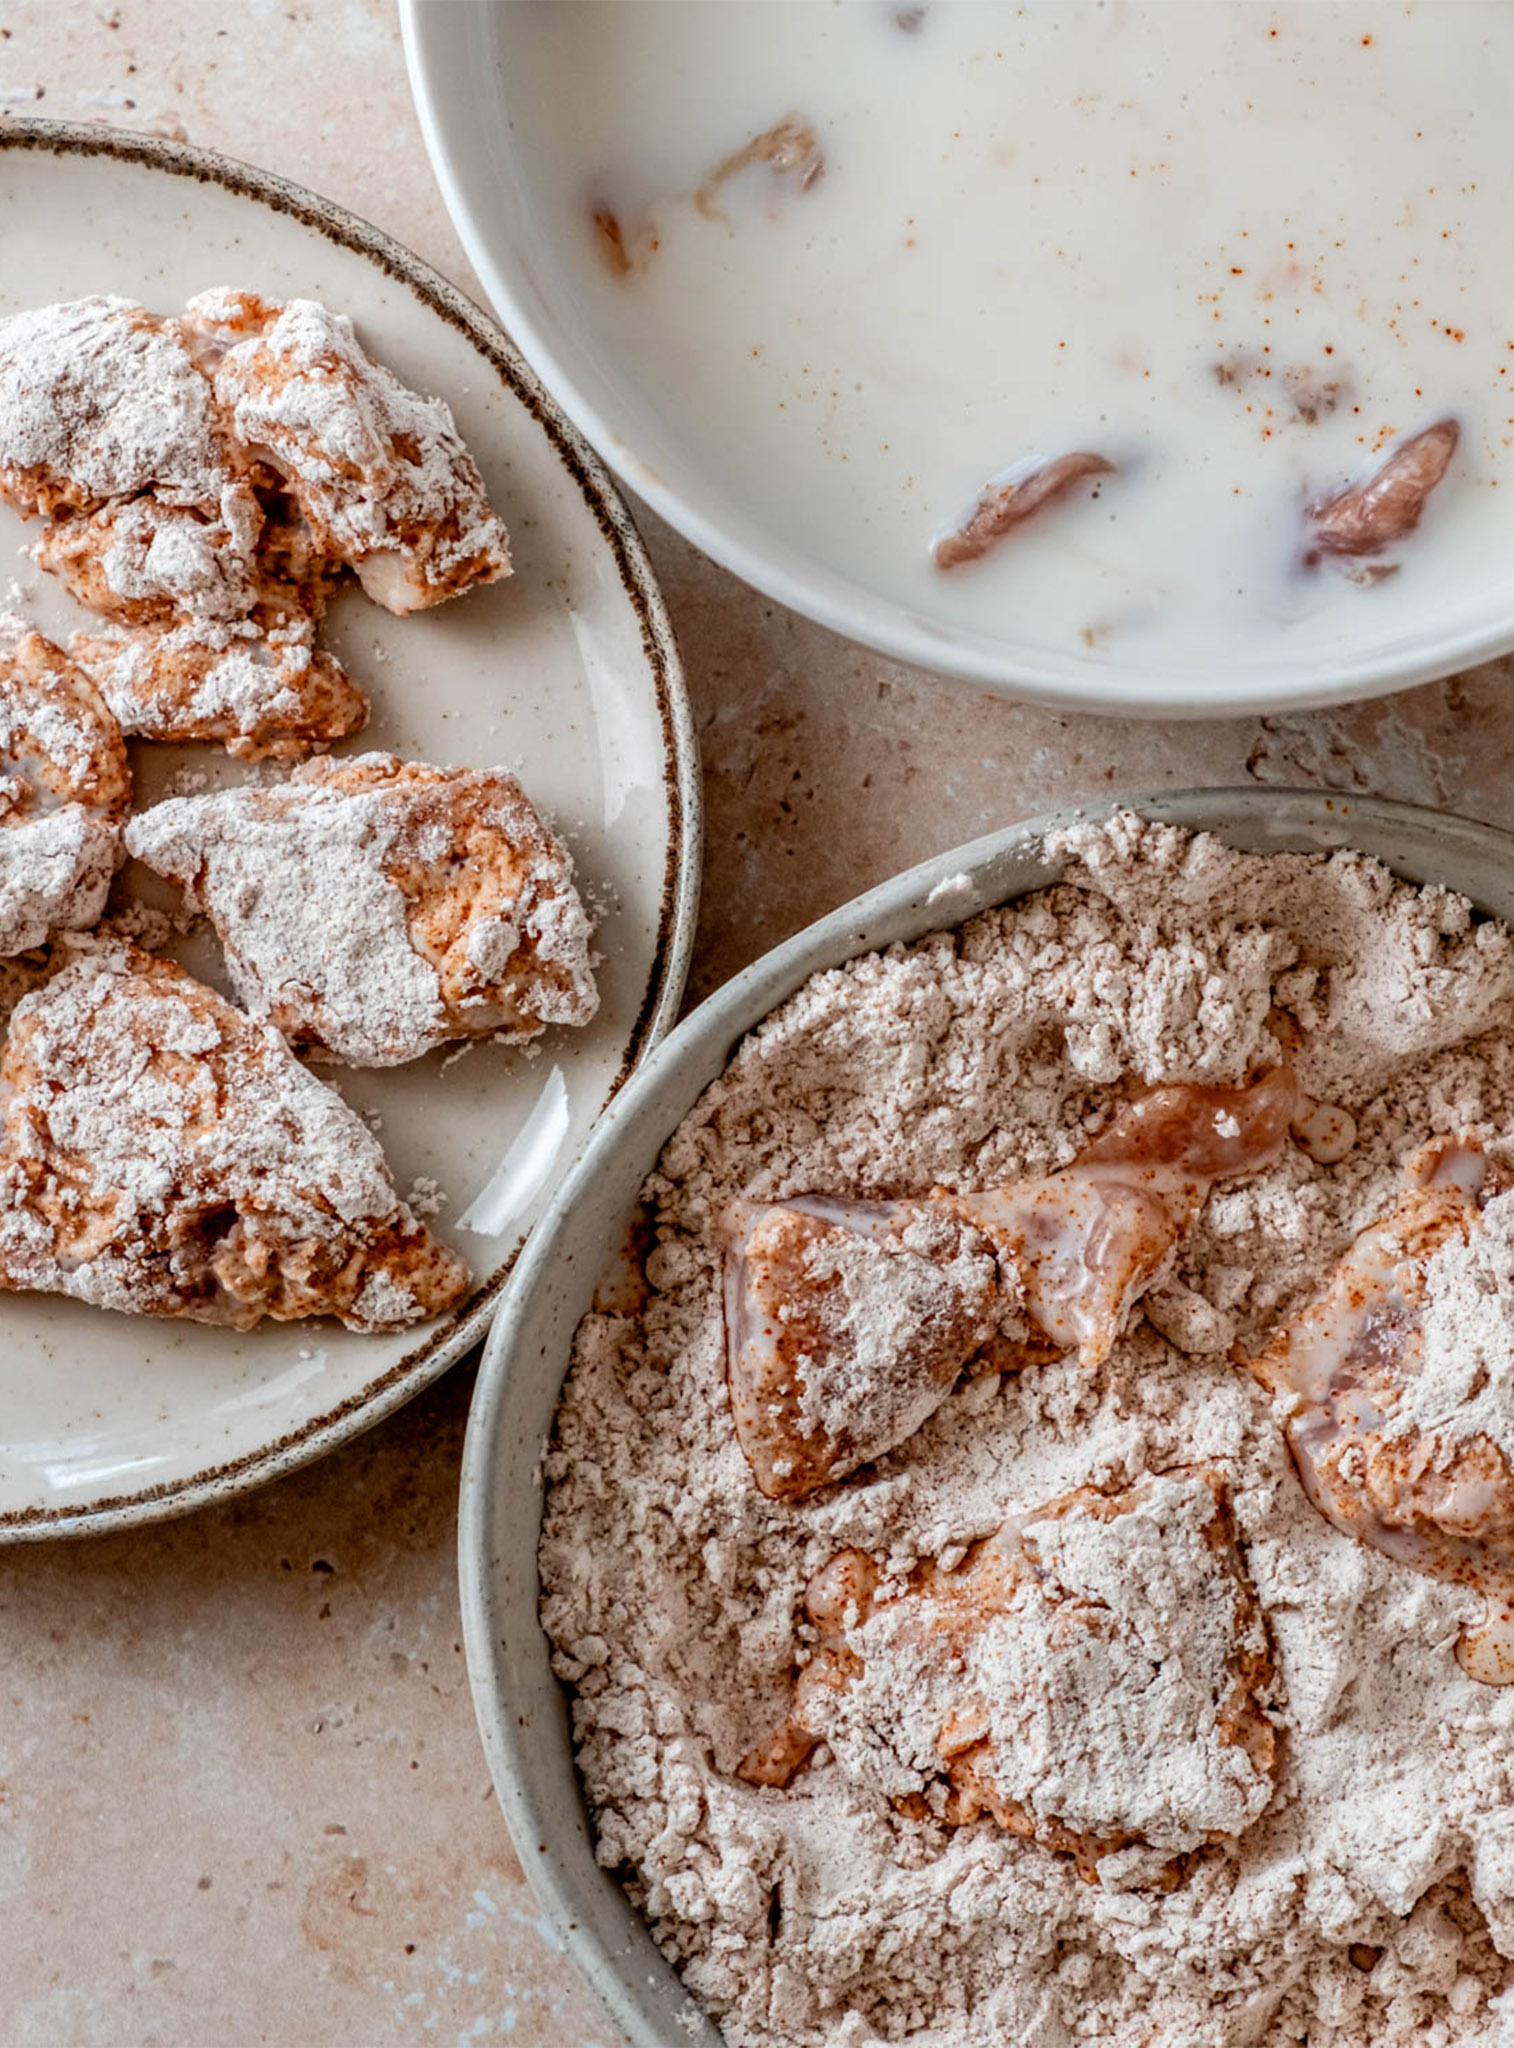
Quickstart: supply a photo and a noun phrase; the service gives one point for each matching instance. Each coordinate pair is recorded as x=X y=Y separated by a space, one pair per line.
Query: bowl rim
x=439 y=37
x=436 y=1350
x=508 y=1656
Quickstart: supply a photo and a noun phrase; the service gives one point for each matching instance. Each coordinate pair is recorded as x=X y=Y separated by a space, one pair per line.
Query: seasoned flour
x=1373 y=1901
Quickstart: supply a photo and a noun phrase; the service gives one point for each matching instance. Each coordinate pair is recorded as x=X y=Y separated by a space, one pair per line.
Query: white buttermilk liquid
x=1051 y=227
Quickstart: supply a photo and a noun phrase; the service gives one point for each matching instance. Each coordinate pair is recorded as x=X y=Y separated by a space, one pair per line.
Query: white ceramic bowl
x=468 y=73
x=522 y=1709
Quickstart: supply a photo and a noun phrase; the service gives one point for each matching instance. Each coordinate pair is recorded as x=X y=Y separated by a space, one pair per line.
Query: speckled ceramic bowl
x=522 y=1709
x=568 y=671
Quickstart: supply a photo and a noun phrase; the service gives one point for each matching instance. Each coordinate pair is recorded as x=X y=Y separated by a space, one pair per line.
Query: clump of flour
x=1372 y=1903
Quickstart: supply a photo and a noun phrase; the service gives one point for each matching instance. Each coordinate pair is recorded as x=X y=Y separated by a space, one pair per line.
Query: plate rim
x=678 y=910
x=524 y=1726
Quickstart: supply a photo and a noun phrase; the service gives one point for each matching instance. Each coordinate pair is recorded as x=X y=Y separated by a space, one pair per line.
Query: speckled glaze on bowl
x=522 y=1709
x=567 y=672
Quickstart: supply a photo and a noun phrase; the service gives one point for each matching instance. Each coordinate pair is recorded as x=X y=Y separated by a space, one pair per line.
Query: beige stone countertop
x=242 y=1798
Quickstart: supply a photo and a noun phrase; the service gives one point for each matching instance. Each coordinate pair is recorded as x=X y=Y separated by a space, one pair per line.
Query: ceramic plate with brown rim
x=567 y=674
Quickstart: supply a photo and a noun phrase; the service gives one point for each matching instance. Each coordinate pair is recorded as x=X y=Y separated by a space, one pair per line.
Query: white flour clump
x=1107 y=1682
x=65 y=788
x=303 y=883
x=162 y=1154
x=1466 y=1386
x=99 y=400
x=1372 y=1902
x=892 y=1307
x=379 y=472
x=349 y=900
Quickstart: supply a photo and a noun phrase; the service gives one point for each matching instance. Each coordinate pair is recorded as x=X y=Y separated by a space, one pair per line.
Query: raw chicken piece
x=1088 y=1242
x=163 y=1155
x=207 y=479
x=260 y=686
x=848 y=1323
x=163 y=525
x=141 y=561
x=374 y=908
x=1010 y=499
x=65 y=789
x=101 y=400
x=1438 y=1501
x=789 y=150
x=1365 y=517
x=380 y=474
x=1090 y=1676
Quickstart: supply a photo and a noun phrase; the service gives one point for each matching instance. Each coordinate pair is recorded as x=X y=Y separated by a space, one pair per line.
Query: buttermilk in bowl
x=1167 y=336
